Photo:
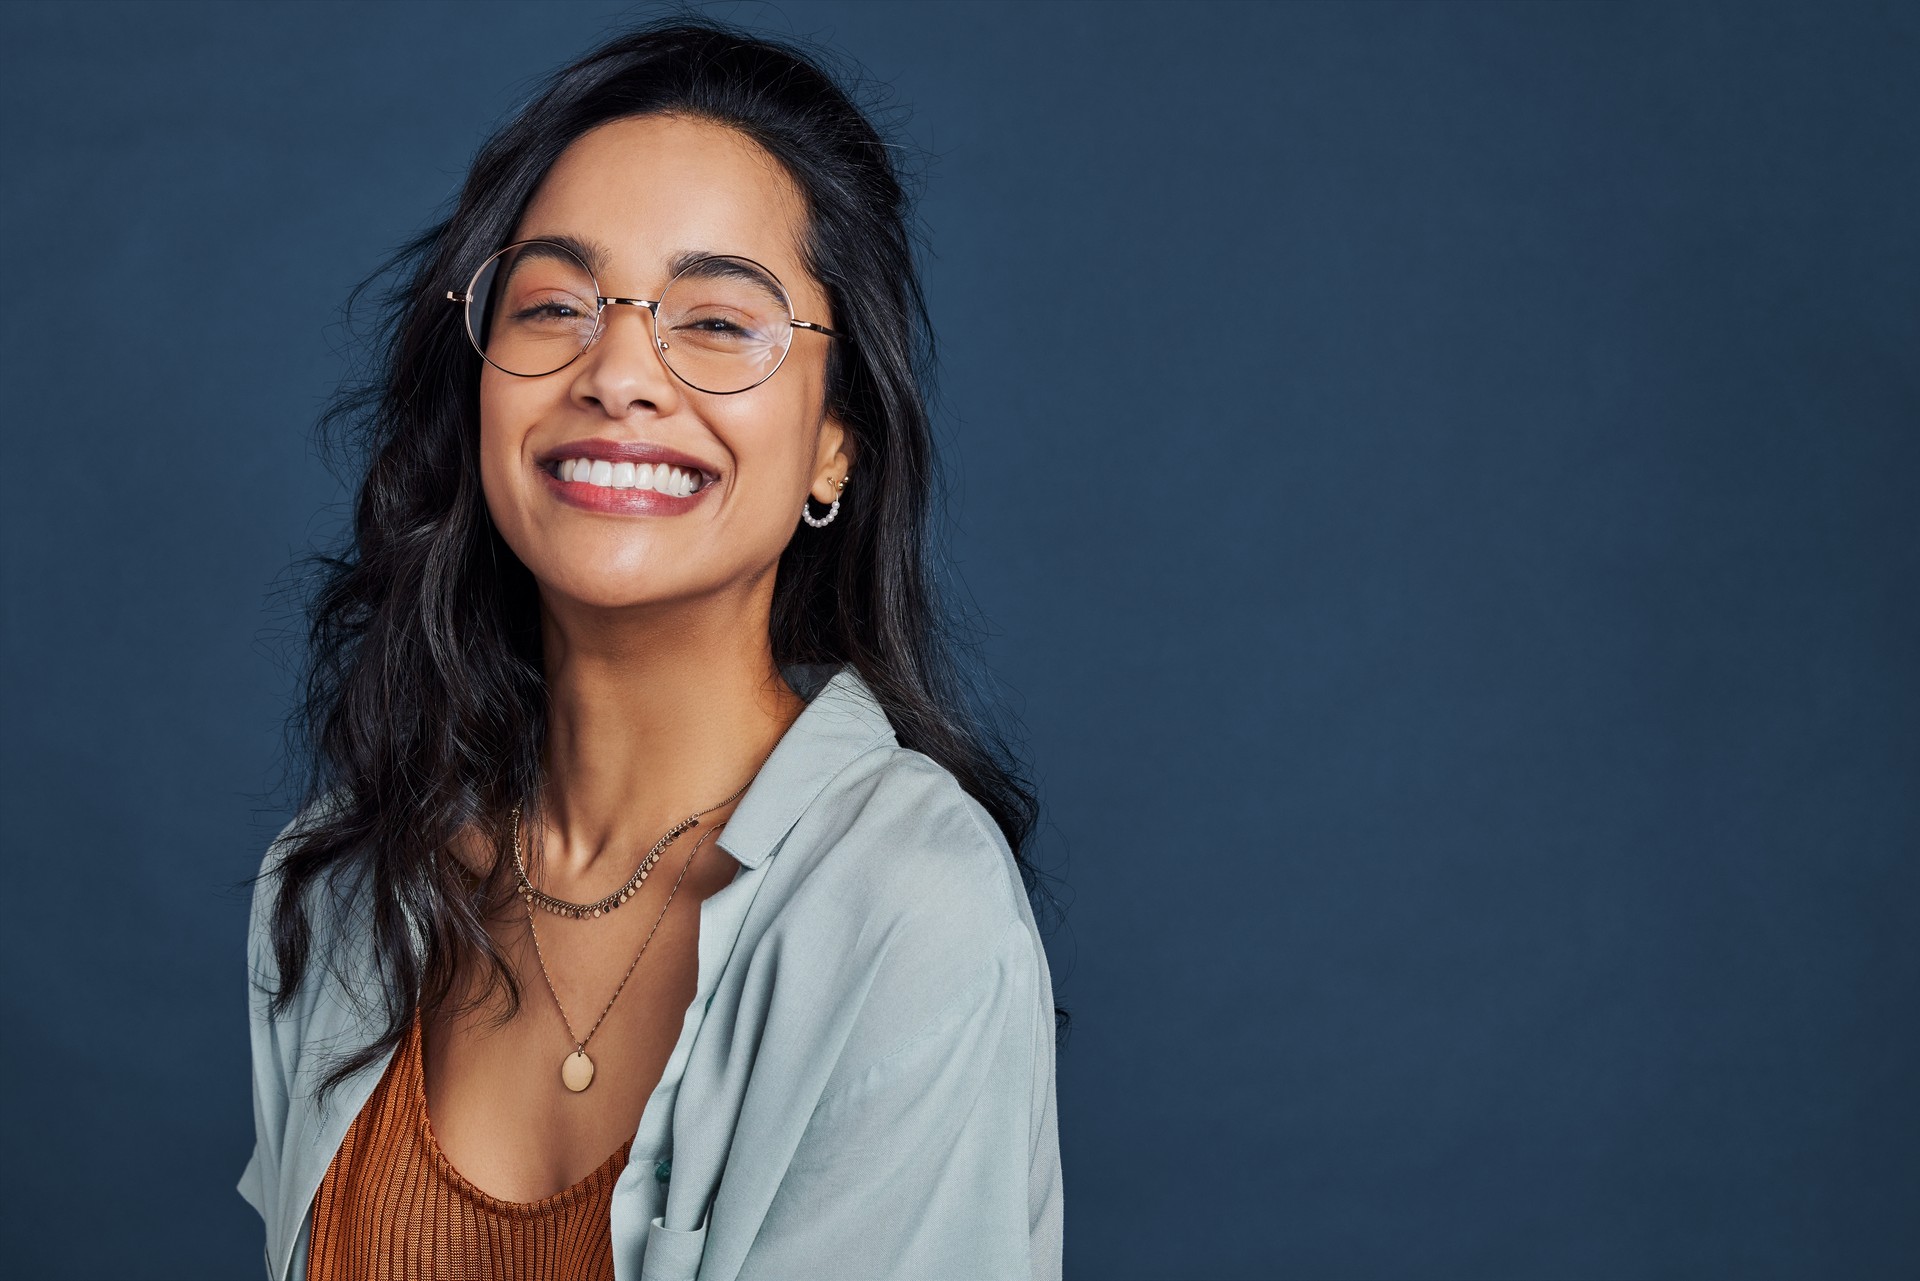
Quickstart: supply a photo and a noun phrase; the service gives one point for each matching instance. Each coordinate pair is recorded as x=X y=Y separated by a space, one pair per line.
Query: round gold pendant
x=576 y=1073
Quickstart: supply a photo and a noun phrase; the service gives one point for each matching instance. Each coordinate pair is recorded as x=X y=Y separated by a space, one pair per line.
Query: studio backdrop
x=1434 y=486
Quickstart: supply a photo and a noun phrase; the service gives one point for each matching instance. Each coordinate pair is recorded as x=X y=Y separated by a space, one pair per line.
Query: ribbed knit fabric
x=393 y=1208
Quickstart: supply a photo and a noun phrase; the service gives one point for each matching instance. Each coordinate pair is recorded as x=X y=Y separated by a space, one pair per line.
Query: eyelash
x=712 y=324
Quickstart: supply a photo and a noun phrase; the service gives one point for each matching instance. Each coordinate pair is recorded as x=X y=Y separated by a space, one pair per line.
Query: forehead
x=646 y=192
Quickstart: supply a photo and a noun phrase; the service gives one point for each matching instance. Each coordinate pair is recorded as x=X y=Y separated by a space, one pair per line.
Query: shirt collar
x=841 y=721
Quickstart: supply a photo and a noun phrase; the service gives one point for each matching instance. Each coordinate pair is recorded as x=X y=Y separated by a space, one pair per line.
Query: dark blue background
x=1440 y=480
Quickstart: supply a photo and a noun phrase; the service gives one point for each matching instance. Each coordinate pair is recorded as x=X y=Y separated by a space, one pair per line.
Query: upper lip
x=627 y=451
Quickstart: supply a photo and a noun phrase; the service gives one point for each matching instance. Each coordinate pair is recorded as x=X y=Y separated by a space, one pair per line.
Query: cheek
x=508 y=409
x=772 y=443
x=498 y=407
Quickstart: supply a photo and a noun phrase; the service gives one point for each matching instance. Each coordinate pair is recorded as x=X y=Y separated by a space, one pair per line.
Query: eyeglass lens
x=724 y=321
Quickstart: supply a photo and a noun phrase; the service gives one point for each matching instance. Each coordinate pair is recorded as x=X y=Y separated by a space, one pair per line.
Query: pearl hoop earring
x=832 y=511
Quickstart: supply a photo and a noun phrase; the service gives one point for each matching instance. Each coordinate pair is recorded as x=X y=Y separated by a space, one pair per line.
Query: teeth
x=660 y=477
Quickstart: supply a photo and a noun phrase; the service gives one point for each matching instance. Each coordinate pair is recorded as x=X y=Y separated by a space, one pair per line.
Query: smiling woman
x=580 y=657
x=653 y=192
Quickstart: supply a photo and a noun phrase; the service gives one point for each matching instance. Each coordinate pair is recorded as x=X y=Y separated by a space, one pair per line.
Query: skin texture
x=665 y=693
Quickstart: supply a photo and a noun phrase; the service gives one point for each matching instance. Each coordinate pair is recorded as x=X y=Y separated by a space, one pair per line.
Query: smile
x=672 y=481
x=636 y=488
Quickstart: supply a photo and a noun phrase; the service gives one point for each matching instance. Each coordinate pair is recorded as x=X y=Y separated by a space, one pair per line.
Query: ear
x=832 y=460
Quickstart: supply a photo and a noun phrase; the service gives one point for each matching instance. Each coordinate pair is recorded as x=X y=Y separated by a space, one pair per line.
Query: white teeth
x=656 y=476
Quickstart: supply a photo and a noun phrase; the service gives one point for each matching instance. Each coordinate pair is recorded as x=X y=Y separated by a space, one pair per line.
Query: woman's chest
x=525 y=1103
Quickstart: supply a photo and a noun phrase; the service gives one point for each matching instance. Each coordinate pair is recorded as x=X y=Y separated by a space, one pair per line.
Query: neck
x=648 y=723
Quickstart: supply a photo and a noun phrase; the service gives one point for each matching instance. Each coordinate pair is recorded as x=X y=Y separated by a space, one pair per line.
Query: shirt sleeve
x=268 y=1100
x=258 y=1184
x=941 y=1160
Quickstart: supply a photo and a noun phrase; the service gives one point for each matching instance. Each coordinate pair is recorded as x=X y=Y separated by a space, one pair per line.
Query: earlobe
x=838 y=484
x=836 y=455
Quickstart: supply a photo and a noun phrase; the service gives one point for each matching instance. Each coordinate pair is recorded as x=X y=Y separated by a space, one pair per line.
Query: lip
x=626 y=451
x=629 y=502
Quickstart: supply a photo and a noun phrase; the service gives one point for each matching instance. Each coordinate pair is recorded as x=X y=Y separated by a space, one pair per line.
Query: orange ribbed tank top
x=393 y=1208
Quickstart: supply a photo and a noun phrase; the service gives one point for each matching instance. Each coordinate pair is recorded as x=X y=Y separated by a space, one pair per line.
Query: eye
x=547 y=311
x=714 y=325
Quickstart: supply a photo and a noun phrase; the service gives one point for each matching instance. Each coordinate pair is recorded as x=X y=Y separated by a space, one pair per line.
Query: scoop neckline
x=607 y=1170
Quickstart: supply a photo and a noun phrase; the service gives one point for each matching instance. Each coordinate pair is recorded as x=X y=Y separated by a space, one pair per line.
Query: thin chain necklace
x=576 y=1070
x=601 y=906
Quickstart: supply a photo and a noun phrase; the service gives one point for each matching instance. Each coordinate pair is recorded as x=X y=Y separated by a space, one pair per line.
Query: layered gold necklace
x=576 y=1070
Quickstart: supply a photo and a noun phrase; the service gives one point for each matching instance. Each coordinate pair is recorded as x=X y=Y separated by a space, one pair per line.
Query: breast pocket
x=673 y=1254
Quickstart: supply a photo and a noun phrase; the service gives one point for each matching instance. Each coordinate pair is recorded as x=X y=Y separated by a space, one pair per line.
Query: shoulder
x=266 y=884
x=898 y=841
x=311 y=815
x=897 y=904
x=893 y=888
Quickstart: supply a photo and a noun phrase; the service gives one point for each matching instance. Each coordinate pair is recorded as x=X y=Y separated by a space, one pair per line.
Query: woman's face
x=646 y=190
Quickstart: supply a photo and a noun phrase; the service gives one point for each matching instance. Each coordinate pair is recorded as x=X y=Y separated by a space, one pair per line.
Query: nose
x=623 y=368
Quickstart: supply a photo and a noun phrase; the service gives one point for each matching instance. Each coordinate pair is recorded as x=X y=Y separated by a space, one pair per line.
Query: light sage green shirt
x=863 y=1085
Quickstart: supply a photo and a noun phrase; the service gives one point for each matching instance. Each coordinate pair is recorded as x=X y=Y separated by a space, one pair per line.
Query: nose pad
x=647 y=318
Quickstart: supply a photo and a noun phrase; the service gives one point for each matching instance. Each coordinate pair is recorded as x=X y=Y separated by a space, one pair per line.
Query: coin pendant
x=576 y=1073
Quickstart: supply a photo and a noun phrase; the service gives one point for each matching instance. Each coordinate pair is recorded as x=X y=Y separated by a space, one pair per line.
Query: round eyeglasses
x=722 y=325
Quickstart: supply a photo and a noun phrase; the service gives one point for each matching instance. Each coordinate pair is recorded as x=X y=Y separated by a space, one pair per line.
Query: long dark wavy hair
x=423 y=706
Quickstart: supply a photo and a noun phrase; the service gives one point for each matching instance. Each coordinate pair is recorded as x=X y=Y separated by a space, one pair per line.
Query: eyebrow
x=725 y=267
x=597 y=256
x=591 y=252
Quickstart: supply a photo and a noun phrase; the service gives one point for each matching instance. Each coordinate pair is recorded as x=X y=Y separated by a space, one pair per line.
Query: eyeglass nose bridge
x=653 y=309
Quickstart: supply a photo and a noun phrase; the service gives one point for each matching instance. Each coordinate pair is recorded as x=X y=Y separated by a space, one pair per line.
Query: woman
x=655 y=910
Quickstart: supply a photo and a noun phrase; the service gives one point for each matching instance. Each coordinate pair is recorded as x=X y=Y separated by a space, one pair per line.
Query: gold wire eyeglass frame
x=602 y=302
